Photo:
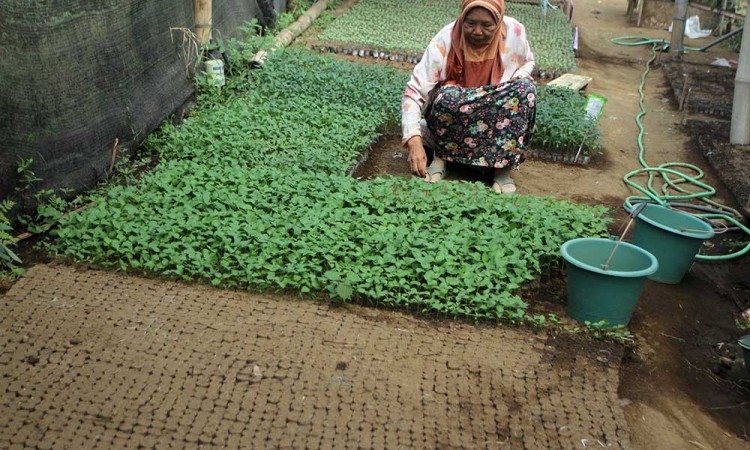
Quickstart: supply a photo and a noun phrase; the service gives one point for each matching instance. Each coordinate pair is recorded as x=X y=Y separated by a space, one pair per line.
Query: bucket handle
x=719 y=228
x=633 y=214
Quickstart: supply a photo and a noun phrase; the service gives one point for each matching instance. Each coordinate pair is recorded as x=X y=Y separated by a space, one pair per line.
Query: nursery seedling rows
x=251 y=193
x=563 y=126
x=558 y=157
x=399 y=30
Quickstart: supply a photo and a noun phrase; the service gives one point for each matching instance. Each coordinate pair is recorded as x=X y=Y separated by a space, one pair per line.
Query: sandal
x=434 y=171
x=504 y=184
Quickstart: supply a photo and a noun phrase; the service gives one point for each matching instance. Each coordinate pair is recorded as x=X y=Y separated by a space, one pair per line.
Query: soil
x=99 y=359
x=711 y=138
x=95 y=359
x=705 y=88
x=685 y=385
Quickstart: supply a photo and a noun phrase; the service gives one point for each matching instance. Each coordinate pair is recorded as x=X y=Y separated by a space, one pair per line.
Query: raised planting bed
x=251 y=192
x=399 y=30
x=562 y=127
x=702 y=88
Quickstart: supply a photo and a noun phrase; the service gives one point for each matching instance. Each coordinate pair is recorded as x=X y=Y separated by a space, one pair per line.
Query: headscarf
x=469 y=66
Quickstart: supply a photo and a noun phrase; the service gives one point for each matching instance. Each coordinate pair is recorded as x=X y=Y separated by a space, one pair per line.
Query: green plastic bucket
x=745 y=344
x=595 y=294
x=674 y=237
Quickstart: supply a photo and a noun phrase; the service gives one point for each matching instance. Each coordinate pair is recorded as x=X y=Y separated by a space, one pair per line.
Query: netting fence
x=76 y=76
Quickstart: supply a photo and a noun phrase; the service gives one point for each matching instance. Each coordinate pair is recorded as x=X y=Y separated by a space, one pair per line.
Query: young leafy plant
x=406 y=27
x=9 y=262
x=251 y=192
x=26 y=176
x=562 y=124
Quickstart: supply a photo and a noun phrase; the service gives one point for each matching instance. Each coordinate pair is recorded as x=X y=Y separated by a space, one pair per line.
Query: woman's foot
x=503 y=183
x=505 y=188
x=436 y=171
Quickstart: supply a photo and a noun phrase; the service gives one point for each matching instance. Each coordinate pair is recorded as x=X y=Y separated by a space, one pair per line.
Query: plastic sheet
x=693 y=28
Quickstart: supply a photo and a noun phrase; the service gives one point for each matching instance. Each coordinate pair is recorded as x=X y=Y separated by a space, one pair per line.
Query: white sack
x=693 y=28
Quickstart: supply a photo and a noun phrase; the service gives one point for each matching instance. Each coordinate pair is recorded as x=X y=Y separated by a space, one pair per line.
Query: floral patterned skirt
x=488 y=126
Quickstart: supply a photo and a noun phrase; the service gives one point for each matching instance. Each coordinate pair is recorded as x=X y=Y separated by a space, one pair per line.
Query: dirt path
x=94 y=359
x=678 y=400
x=679 y=397
x=674 y=398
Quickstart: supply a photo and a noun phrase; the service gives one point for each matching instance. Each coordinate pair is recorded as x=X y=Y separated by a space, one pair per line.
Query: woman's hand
x=417 y=156
x=519 y=76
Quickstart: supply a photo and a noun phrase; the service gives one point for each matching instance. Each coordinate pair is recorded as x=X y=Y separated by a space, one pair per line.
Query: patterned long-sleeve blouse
x=518 y=61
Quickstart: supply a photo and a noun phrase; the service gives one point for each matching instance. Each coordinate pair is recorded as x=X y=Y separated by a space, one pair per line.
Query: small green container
x=674 y=237
x=745 y=344
x=596 y=294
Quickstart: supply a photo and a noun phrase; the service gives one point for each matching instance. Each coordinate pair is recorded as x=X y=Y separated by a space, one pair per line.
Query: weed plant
x=251 y=192
x=8 y=260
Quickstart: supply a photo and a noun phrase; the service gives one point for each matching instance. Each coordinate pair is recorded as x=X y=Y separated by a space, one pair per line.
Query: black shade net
x=77 y=74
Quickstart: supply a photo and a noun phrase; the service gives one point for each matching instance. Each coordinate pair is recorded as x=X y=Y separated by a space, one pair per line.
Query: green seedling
x=743 y=320
x=251 y=192
x=563 y=124
x=366 y=26
x=26 y=176
x=8 y=259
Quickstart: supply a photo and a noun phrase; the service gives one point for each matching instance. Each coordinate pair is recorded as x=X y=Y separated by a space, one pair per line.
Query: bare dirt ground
x=91 y=359
x=677 y=392
x=682 y=397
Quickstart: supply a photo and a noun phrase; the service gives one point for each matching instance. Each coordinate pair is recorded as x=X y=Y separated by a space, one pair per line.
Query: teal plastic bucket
x=745 y=344
x=674 y=237
x=595 y=294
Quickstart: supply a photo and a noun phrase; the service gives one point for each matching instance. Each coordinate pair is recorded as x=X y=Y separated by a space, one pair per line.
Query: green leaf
x=344 y=291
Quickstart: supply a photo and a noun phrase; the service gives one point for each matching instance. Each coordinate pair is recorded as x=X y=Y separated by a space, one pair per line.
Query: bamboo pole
x=631 y=8
x=721 y=27
x=739 y=133
x=290 y=33
x=639 y=8
x=202 y=10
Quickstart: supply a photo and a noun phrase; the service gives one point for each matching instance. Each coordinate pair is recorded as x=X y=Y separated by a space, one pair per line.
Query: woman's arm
x=426 y=74
x=525 y=56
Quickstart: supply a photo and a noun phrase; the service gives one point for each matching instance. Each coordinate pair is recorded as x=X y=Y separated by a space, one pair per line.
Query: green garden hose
x=668 y=170
x=633 y=41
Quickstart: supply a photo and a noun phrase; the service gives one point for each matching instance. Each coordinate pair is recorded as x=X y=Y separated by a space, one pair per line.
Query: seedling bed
x=563 y=127
x=709 y=88
x=252 y=192
x=370 y=53
x=411 y=58
x=559 y=157
x=365 y=31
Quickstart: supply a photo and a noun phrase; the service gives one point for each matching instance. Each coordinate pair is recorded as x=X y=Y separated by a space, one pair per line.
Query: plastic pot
x=745 y=344
x=597 y=293
x=674 y=237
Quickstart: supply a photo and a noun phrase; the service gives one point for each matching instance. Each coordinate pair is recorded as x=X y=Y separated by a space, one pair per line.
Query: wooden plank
x=723 y=12
x=536 y=2
x=572 y=81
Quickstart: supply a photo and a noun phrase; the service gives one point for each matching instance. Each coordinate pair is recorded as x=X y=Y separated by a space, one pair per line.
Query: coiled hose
x=671 y=177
